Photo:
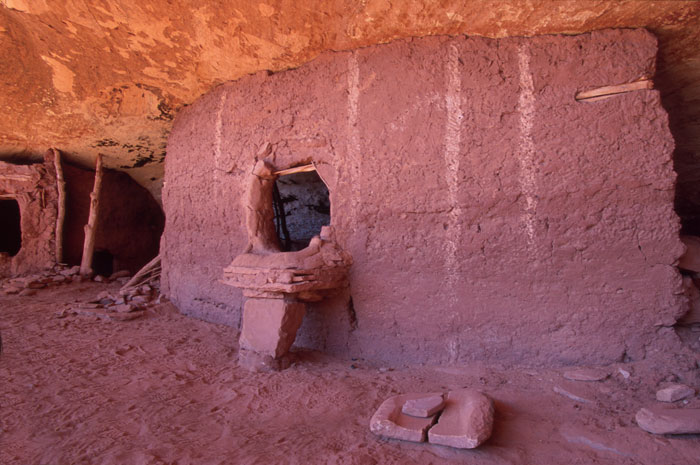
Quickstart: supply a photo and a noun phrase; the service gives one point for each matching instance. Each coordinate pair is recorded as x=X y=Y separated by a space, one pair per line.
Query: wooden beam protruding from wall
x=609 y=91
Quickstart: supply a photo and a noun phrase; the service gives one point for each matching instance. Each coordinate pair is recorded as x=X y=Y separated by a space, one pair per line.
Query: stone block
x=270 y=325
x=389 y=420
x=466 y=422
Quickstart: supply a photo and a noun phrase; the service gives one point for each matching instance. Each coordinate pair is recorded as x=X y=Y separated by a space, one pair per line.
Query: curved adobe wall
x=489 y=215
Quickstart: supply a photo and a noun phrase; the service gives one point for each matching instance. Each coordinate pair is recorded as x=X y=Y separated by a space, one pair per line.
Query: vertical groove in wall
x=453 y=140
x=218 y=136
x=526 y=148
x=354 y=136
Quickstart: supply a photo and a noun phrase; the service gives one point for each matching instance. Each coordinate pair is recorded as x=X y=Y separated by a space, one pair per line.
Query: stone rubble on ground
x=674 y=392
x=462 y=420
x=59 y=274
x=114 y=306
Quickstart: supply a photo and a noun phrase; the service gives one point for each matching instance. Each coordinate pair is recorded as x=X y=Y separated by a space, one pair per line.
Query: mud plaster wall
x=489 y=215
x=130 y=221
x=34 y=189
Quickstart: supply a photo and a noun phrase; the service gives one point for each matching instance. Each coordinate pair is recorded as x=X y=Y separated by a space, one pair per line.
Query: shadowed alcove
x=11 y=231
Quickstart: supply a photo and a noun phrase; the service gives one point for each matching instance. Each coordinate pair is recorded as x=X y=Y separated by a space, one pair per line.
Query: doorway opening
x=11 y=230
x=302 y=205
x=102 y=262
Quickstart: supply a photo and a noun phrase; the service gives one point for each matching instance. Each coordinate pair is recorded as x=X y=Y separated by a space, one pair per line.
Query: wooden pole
x=608 y=91
x=91 y=226
x=296 y=169
x=61 y=217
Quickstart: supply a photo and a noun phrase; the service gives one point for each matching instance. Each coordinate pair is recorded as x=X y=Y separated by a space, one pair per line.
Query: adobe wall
x=34 y=188
x=489 y=215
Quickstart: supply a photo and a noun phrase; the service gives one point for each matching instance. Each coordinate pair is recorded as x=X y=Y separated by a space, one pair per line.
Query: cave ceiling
x=89 y=76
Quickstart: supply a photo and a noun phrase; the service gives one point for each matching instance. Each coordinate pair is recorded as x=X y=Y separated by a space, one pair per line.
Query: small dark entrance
x=302 y=205
x=10 y=227
x=103 y=262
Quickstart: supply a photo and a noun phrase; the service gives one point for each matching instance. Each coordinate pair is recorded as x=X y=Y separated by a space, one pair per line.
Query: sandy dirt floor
x=166 y=389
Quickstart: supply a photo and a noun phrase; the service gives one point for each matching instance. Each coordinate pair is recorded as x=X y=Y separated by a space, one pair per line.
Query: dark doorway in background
x=102 y=263
x=10 y=227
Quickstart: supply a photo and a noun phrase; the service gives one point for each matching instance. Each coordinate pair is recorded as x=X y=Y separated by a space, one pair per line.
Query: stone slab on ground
x=424 y=407
x=586 y=374
x=574 y=394
x=466 y=422
x=389 y=421
x=674 y=392
x=669 y=421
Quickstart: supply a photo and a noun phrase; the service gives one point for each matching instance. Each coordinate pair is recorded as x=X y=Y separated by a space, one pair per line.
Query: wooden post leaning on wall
x=91 y=226
x=61 y=216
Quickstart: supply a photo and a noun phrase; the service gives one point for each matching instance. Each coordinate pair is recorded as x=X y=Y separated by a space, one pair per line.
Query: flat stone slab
x=674 y=392
x=586 y=374
x=466 y=422
x=389 y=420
x=424 y=407
x=669 y=421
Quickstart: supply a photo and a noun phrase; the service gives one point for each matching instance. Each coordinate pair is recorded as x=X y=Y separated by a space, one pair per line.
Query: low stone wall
x=490 y=215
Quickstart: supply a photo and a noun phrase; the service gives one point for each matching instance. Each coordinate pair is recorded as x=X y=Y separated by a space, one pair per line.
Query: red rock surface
x=489 y=215
x=108 y=77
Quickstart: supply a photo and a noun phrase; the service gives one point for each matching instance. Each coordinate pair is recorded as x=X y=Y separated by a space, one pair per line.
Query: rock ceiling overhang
x=90 y=76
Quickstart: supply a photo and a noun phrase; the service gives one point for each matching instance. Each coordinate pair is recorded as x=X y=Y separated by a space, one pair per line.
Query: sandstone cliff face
x=89 y=76
x=488 y=213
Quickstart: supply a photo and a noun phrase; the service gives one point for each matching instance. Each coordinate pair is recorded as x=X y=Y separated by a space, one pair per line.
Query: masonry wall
x=34 y=188
x=490 y=215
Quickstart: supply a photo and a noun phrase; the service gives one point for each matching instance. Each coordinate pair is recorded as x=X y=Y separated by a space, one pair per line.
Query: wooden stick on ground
x=91 y=226
x=608 y=91
x=61 y=217
x=149 y=271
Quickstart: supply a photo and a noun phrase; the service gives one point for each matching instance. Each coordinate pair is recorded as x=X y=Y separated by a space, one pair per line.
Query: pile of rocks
x=59 y=274
x=127 y=304
x=462 y=419
x=660 y=420
x=29 y=285
x=657 y=419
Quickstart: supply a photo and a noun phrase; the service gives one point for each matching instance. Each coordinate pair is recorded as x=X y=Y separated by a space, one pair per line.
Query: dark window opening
x=102 y=262
x=11 y=230
x=302 y=205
